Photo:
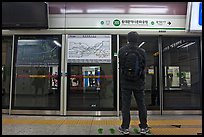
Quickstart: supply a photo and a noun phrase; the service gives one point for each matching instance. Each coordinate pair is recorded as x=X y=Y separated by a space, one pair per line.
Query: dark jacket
x=140 y=83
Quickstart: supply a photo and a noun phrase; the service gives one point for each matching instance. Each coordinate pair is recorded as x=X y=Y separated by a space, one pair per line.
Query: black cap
x=133 y=36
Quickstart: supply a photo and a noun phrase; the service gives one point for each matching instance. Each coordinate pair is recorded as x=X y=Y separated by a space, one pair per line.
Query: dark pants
x=126 y=101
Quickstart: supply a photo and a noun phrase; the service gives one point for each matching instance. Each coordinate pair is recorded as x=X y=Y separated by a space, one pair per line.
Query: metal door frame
x=63 y=98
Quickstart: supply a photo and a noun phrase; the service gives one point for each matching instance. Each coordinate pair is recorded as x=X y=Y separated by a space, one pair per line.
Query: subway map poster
x=89 y=49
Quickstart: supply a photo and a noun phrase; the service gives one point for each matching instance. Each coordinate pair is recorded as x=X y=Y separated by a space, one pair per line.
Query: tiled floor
x=69 y=125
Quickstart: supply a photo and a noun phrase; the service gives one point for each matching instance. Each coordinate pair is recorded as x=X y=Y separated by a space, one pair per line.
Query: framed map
x=89 y=49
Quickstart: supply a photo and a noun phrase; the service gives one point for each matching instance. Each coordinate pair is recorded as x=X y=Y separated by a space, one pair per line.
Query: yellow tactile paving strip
x=99 y=122
x=175 y=131
x=165 y=126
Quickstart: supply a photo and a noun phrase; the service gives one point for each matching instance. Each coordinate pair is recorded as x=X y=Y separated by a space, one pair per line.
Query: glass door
x=182 y=73
x=91 y=73
x=7 y=42
x=37 y=72
x=152 y=96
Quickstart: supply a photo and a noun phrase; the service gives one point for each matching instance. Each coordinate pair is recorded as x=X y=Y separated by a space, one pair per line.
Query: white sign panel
x=196 y=17
x=89 y=49
x=147 y=22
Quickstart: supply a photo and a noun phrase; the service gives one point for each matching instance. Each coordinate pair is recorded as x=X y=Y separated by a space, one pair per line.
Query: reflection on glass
x=90 y=62
x=54 y=72
x=6 y=70
x=34 y=88
x=91 y=88
x=172 y=76
x=37 y=82
x=91 y=76
x=155 y=96
x=182 y=81
x=42 y=51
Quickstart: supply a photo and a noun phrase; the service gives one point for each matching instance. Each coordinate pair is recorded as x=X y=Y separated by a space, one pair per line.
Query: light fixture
x=192 y=43
x=141 y=44
x=105 y=11
x=71 y=11
x=182 y=45
x=148 y=10
x=57 y=43
x=27 y=42
x=147 y=6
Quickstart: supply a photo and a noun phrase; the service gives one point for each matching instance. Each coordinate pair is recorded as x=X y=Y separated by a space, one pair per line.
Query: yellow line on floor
x=85 y=122
x=175 y=131
x=48 y=122
x=175 y=122
x=190 y=122
x=100 y=122
x=71 y=122
x=17 y=121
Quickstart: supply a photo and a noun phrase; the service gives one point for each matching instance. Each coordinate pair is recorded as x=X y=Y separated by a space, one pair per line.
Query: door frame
x=117 y=32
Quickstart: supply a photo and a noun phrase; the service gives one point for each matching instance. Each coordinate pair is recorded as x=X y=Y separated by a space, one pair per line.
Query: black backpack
x=132 y=65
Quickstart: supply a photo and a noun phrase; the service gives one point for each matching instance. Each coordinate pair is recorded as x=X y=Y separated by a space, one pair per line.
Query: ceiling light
x=147 y=6
x=141 y=44
x=57 y=43
x=105 y=11
x=148 y=10
x=71 y=11
x=192 y=43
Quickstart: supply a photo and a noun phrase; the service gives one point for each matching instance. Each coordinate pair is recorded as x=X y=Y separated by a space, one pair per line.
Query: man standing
x=132 y=80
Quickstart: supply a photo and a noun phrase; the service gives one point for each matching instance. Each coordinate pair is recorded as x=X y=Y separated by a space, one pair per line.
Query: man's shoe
x=123 y=131
x=144 y=130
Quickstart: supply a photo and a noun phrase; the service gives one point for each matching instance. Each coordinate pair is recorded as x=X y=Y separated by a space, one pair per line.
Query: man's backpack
x=133 y=65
